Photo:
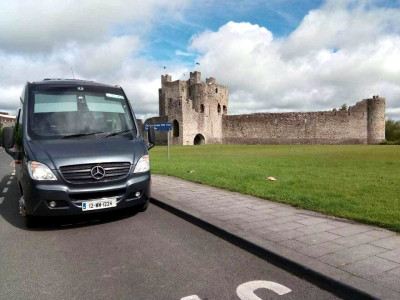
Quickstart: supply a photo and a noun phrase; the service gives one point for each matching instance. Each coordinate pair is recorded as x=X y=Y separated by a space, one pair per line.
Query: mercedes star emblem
x=98 y=172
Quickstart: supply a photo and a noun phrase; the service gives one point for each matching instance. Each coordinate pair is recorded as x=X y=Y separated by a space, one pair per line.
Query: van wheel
x=31 y=221
x=143 y=207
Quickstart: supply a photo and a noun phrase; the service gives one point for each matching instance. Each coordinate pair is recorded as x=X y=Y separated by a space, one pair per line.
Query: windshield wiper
x=118 y=132
x=80 y=134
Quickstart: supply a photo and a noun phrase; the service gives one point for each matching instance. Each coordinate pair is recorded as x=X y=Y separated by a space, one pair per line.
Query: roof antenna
x=73 y=76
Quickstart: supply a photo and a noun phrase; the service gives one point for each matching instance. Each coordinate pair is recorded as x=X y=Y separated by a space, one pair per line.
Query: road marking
x=245 y=291
x=11 y=177
x=8 y=182
x=1 y=200
x=5 y=190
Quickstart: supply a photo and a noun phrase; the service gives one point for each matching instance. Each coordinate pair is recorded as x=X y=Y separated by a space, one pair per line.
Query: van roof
x=62 y=81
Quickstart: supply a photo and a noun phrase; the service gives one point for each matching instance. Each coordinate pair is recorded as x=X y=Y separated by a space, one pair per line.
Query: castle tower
x=166 y=78
x=162 y=101
x=195 y=77
x=194 y=108
x=376 y=120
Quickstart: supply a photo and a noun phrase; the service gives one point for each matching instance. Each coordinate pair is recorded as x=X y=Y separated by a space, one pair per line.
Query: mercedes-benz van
x=77 y=149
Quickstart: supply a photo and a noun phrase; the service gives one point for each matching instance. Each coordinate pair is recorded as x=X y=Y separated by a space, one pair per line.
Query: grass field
x=355 y=182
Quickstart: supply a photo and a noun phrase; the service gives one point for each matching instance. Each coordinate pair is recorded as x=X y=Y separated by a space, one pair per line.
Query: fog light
x=137 y=194
x=52 y=204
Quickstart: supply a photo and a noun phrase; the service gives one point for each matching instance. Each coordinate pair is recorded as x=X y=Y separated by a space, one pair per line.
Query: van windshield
x=72 y=112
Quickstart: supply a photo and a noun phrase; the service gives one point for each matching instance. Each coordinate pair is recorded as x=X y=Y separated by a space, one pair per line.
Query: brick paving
x=368 y=252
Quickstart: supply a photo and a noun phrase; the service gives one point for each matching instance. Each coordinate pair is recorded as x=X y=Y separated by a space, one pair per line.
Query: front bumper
x=69 y=198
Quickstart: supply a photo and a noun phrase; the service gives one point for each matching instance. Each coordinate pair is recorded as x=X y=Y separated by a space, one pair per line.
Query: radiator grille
x=82 y=173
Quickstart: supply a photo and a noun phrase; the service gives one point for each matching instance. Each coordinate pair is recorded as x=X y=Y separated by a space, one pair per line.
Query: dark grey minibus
x=77 y=149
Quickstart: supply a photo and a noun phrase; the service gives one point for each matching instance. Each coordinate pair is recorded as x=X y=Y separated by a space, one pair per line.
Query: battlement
x=210 y=80
x=166 y=78
x=195 y=77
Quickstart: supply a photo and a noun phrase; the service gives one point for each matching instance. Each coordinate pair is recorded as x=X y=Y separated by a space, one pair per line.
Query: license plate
x=99 y=204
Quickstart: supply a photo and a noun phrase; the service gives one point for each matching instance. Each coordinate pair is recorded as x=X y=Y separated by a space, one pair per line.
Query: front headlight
x=39 y=171
x=143 y=165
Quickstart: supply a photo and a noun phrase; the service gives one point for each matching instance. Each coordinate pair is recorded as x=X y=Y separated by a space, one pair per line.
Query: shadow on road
x=9 y=196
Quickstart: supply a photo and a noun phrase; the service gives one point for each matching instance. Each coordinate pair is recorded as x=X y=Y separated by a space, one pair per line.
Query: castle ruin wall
x=326 y=127
x=200 y=109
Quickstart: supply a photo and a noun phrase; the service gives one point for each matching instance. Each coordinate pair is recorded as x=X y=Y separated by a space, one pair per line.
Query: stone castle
x=198 y=112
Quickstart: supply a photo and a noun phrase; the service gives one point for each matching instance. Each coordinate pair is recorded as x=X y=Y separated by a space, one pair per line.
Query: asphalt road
x=128 y=255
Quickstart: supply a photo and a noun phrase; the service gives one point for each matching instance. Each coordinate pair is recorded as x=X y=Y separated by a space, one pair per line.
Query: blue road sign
x=158 y=126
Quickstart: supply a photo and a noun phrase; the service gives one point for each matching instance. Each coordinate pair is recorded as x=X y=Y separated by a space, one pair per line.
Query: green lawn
x=355 y=182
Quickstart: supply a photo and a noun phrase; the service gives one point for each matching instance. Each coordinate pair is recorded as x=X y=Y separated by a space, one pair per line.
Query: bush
x=390 y=143
x=392 y=130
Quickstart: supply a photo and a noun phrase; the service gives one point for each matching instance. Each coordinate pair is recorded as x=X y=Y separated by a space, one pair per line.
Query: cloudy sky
x=276 y=55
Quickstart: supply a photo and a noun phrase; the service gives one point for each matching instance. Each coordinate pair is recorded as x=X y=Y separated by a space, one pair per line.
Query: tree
x=392 y=130
x=343 y=107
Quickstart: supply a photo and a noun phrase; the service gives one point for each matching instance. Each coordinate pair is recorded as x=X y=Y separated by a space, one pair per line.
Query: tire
x=143 y=207
x=31 y=221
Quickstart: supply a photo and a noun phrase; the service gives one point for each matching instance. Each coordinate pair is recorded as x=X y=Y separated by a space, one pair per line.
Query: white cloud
x=99 y=40
x=109 y=62
x=341 y=52
x=342 y=24
x=183 y=53
x=41 y=25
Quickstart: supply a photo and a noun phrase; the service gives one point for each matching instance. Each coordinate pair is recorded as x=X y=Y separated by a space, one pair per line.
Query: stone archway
x=199 y=139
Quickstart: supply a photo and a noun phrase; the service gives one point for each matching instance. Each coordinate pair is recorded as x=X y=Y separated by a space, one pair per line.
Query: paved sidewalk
x=364 y=257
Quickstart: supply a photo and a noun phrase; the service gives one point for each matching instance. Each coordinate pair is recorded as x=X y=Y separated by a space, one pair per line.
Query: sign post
x=168 y=143
x=160 y=127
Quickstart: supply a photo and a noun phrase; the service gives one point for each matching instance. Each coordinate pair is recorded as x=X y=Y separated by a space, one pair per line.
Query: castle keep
x=198 y=112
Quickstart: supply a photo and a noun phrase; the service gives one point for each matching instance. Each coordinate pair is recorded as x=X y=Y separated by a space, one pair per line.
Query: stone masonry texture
x=198 y=112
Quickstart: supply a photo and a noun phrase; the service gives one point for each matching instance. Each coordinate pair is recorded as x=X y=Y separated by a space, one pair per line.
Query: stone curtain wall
x=328 y=127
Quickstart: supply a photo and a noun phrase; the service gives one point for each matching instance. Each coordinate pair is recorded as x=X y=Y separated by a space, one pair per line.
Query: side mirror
x=8 y=137
x=151 y=137
x=7 y=140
